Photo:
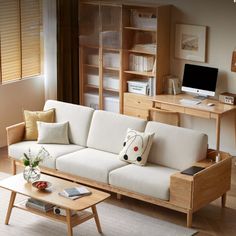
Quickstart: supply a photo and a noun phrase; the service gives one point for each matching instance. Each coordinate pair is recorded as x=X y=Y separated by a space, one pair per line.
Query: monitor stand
x=200 y=97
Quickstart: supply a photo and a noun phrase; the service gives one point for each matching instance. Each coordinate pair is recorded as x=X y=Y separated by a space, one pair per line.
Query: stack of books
x=75 y=192
x=39 y=205
x=141 y=63
x=148 y=47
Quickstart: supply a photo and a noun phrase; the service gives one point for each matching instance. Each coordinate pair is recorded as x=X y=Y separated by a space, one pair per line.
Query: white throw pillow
x=136 y=147
x=53 y=132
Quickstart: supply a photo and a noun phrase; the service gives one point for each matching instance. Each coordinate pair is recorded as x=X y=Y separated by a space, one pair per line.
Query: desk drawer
x=198 y=113
x=140 y=113
x=169 y=107
x=138 y=101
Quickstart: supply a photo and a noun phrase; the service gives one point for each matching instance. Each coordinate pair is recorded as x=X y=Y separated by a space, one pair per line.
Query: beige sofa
x=96 y=138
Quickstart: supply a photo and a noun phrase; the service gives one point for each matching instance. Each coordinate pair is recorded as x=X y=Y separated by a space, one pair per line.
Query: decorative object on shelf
x=190 y=42
x=173 y=85
x=143 y=19
x=228 y=98
x=233 y=63
x=31 y=172
x=144 y=86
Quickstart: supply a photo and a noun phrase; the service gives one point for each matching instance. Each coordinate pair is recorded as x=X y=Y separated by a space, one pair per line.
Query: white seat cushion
x=89 y=163
x=108 y=130
x=151 y=180
x=79 y=118
x=176 y=147
x=17 y=150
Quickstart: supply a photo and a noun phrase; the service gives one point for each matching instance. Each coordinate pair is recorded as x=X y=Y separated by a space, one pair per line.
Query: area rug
x=115 y=221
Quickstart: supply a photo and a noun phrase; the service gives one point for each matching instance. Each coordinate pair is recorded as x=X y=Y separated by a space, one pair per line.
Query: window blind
x=20 y=44
x=10 y=40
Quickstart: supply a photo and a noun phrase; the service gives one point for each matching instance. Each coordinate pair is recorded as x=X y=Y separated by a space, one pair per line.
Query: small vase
x=31 y=174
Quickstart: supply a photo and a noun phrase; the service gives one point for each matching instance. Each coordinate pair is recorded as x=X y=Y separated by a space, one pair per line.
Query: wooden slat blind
x=10 y=40
x=30 y=37
x=20 y=39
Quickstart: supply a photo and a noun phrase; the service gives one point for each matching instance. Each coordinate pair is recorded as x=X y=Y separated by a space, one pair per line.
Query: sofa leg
x=118 y=196
x=13 y=167
x=223 y=200
x=189 y=219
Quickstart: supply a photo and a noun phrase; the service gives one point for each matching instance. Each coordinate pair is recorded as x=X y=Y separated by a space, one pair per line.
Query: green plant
x=33 y=160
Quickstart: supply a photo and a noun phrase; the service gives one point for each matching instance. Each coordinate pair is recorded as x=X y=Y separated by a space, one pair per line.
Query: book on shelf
x=147 y=48
x=141 y=63
x=75 y=192
x=173 y=85
x=39 y=205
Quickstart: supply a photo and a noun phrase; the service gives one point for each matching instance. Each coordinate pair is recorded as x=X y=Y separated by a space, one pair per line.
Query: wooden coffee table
x=17 y=184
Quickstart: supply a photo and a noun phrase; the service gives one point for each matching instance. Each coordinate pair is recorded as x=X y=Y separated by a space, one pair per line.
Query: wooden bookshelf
x=109 y=28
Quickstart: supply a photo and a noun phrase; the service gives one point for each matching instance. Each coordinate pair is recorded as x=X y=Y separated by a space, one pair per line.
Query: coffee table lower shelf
x=76 y=219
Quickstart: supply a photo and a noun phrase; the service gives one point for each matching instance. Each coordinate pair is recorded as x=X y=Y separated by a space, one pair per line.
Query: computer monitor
x=200 y=80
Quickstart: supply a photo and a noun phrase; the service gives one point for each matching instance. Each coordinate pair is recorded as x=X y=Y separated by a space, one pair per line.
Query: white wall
x=31 y=93
x=16 y=97
x=50 y=48
x=220 y=18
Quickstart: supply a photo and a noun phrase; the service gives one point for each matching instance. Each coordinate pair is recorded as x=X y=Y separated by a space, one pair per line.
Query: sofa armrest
x=213 y=182
x=194 y=192
x=15 y=133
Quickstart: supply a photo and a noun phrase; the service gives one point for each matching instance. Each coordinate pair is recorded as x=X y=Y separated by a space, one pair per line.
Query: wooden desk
x=172 y=103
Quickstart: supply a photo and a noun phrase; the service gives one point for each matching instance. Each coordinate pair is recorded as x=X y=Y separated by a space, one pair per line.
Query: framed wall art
x=190 y=42
x=233 y=64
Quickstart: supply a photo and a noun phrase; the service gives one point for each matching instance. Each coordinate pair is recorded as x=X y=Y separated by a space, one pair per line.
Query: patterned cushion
x=136 y=147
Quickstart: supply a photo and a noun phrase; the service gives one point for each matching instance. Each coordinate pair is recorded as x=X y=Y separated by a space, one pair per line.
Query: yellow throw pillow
x=31 y=118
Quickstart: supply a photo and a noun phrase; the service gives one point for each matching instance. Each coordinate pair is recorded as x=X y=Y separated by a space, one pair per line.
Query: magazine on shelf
x=75 y=192
x=39 y=205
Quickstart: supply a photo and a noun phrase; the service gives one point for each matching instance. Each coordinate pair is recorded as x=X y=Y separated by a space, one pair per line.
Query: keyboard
x=190 y=101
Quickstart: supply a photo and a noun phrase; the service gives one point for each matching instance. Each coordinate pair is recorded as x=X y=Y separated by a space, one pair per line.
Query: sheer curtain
x=50 y=48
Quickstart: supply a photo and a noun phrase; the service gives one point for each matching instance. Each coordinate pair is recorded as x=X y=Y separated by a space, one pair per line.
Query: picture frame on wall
x=233 y=63
x=190 y=42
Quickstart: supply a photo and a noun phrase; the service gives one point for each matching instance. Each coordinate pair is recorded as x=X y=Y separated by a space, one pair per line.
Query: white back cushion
x=79 y=118
x=108 y=130
x=176 y=147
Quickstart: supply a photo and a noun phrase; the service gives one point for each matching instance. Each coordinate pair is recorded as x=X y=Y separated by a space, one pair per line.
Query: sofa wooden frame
x=187 y=193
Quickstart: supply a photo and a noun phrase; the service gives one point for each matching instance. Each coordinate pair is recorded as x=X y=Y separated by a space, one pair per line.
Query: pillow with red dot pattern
x=136 y=147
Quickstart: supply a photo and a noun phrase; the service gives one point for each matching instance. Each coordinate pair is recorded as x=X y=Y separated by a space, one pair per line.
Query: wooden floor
x=210 y=220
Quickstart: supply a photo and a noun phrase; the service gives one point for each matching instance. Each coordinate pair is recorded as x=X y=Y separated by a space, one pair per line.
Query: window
x=20 y=39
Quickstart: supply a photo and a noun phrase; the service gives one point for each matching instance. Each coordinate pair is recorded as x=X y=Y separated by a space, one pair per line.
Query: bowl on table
x=41 y=185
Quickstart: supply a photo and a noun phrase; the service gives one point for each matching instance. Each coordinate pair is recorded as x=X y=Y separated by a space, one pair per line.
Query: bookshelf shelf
x=111 y=90
x=76 y=219
x=141 y=52
x=111 y=68
x=89 y=46
x=148 y=73
x=111 y=49
x=92 y=86
x=91 y=66
x=139 y=29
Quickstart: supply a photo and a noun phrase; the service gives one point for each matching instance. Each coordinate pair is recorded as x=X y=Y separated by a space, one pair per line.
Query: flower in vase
x=31 y=172
x=34 y=160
